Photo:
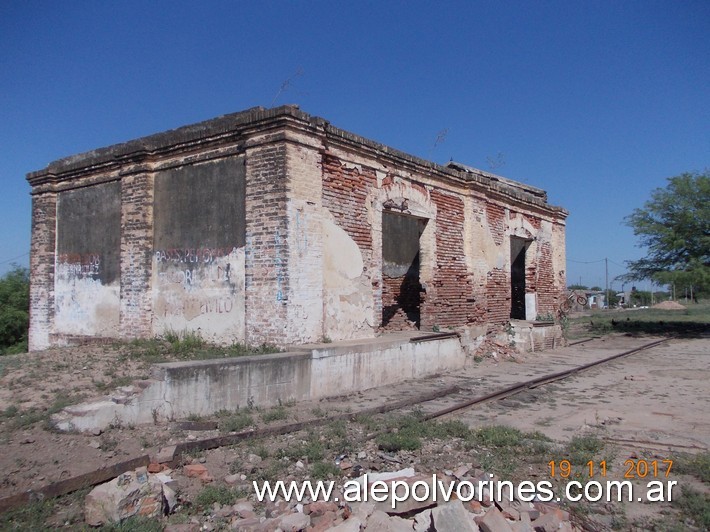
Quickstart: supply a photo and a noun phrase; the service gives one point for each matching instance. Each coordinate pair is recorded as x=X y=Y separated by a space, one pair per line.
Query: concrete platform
x=203 y=387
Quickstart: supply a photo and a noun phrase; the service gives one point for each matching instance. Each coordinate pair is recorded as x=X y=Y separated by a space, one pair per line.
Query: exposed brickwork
x=401 y=303
x=42 y=248
x=498 y=296
x=450 y=302
x=496 y=222
x=546 y=289
x=533 y=221
x=136 y=255
x=344 y=194
x=267 y=281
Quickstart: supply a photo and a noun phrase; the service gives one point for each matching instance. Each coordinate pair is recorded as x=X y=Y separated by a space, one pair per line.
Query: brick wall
x=344 y=193
x=136 y=255
x=498 y=296
x=42 y=249
x=450 y=302
x=495 y=214
x=400 y=298
x=546 y=288
x=267 y=282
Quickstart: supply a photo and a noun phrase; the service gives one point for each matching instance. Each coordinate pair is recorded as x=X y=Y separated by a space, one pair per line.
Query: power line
x=596 y=261
x=14 y=258
x=586 y=261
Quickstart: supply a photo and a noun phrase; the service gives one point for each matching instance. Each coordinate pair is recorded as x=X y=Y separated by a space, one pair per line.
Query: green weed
x=582 y=449
x=278 y=413
x=694 y=505
x=697 y=465
x=324 y=470
x=214 y=494
x=234 y=421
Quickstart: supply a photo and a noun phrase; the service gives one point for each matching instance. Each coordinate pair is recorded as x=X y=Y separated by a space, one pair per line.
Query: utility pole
x=606 y=267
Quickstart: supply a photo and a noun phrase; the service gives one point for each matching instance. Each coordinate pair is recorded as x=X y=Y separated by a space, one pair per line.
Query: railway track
x=537 y=382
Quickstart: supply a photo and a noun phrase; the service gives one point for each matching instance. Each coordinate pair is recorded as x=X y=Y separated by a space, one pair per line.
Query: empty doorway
x=518 y=248
x=401 y=286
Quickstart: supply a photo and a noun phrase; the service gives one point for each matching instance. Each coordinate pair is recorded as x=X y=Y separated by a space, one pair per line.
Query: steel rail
x=539 y=381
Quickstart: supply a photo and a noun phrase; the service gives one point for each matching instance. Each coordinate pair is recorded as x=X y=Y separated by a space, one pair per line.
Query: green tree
x=675 y=227
x=14 y=310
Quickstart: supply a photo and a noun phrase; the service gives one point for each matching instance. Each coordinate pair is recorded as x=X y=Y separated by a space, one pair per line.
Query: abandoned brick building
x=271 y=225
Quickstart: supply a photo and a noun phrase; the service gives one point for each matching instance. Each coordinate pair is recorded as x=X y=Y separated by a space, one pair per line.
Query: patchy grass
x=50 y=514
x=17 y=418
x=258 y=448
x=188 y=345
x=697 y=465
x=211 y=494
x=277 y=413
x=498 y=436
x=319 y=412
x=325 y=470
x=398 y=441
x=234 y=421
x=694 y=505
x=406 y=432
x=29 y=517
x=133 y=524
x=500 y=447
x=582 y=449
x=337 y=440
x=688 y=323
x=313 y=450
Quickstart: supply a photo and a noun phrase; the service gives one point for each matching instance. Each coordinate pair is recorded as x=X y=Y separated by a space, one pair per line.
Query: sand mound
x=669 y=305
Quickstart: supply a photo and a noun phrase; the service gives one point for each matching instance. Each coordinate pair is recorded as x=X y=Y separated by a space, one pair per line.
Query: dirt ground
x=650 y=405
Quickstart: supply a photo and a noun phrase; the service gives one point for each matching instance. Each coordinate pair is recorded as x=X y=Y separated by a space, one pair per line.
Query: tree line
x=14 y=310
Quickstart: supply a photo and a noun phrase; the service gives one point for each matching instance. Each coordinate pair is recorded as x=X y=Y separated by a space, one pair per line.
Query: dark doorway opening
x=518 y=248
x=401 y=286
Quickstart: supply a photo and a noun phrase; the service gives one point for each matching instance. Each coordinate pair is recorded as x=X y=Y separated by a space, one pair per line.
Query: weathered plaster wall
x=87 y=271
x=198 y=254
x=348 y=265
x=305 y=240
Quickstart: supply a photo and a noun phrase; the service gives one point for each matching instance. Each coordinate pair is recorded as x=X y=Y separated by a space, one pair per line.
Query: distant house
x=595 y=299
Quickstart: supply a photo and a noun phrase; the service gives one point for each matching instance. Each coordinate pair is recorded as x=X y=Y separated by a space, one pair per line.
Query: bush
x=14 y=310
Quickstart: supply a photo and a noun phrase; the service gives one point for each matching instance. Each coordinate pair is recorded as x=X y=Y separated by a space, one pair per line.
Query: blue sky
x=596 y=102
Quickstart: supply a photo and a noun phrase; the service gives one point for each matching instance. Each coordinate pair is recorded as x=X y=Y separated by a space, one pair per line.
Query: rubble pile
x=147 y=494
x=495 y=348
x=133 y=493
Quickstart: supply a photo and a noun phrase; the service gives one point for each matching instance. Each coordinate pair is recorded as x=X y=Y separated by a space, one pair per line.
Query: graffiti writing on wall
x=193 y=255
x=196 y=276
x=217 y=306
x=193 y=307
x=79 y=265
x=204 y=265
x=195 y=281
x=278 y=262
